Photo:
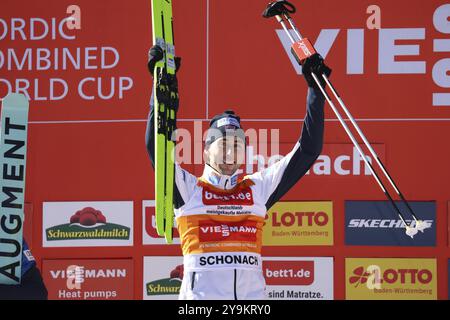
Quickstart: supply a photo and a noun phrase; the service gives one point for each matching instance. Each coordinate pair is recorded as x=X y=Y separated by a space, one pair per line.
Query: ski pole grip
x=277 y=8
x=302 y=50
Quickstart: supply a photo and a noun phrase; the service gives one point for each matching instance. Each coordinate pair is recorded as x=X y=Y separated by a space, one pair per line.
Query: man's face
x=226 y=155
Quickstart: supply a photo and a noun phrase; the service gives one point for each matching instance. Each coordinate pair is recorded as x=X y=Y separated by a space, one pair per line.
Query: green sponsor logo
x=109 y=231
x=163 y=287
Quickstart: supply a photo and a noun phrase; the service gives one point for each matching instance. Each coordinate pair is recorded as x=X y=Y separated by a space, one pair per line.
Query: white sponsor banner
x=149 y=234
x=162 y=277
x=293 y=278
x=87 y=224
x=287 y=278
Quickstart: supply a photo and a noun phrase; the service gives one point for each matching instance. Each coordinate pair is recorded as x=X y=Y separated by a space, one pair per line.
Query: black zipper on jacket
x=235 y=293
x=192 y=280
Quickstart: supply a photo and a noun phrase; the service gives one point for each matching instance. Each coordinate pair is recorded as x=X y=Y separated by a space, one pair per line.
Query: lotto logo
x=391 y=278
x=288 y=219
x=373 y=276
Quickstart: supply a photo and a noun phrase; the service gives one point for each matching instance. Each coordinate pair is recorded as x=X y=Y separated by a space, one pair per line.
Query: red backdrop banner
x=89 y=91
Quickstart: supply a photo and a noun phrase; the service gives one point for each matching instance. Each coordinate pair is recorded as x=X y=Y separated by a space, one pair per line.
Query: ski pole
x=352 y=120
x=355 y=143
x=372 y=151
x=284 y=8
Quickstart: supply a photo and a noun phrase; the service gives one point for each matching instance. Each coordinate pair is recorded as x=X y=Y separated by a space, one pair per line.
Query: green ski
x=166 y=104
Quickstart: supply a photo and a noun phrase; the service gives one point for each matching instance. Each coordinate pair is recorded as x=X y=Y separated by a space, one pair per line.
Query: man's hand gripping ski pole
x=316 y=74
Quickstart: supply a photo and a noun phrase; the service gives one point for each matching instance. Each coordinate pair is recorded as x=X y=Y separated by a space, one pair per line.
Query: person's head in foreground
x=225 y=144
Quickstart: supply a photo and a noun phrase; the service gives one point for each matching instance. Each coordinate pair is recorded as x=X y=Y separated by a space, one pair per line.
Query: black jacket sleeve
x=309 y=148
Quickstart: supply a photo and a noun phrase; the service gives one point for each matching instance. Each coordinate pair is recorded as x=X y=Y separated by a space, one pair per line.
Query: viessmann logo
x=88 y=279
x=76 y=274
x=88 y=223
x=242 y=197
x=215 y=231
